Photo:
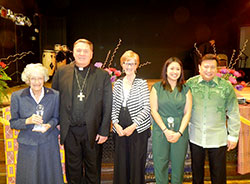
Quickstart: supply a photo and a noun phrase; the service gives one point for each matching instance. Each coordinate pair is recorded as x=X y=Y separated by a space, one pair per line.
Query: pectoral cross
x=81 y=96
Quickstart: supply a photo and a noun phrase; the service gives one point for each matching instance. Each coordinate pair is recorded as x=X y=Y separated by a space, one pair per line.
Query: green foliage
x=3 y=85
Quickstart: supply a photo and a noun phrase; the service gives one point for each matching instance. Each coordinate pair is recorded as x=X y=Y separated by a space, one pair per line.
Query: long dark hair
x=180 y=80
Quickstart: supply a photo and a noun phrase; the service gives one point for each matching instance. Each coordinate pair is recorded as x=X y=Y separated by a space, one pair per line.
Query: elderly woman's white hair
x=32 y=69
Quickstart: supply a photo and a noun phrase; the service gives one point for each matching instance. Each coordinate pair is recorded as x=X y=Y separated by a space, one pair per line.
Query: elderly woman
x=131 y=123
x=34 y=111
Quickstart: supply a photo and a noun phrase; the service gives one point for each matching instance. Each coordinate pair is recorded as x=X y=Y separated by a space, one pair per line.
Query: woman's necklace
x=81 y=95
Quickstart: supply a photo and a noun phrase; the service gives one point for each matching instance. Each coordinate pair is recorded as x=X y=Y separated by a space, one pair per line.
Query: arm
x=233 y=121
x=103 y=133
x=145 y=111
x=185 y=119
x=156 y=115
x=115 y=111
x=187 y=112
x=53 y=122
x=18 y=122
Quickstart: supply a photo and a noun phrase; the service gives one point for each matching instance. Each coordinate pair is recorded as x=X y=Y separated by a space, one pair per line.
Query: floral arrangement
x=232 y=75
x=113 y=72
x=229 y=73
x=3 y=78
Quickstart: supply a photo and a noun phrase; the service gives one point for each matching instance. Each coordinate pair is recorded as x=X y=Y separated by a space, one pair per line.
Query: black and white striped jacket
x=138 y=103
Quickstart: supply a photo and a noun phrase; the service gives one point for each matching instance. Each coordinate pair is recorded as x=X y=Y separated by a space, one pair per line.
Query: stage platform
x=245 y=91
x=107 y=167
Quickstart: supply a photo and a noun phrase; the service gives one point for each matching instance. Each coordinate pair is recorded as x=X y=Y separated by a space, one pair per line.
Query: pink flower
x=98 y=64
x=236 y=74
x=232 y=80
x=113 y=78
x=231 y=76
x=219 y=74
x=107 y=69
x=114 y=73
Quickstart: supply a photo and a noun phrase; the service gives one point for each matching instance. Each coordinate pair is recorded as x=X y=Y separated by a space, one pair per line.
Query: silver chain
x=84 y=80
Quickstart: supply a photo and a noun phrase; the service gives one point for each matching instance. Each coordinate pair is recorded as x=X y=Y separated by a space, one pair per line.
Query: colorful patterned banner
x=11 y=148
x=244 y=120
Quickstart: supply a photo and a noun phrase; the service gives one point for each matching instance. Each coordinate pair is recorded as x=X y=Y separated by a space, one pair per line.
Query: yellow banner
x=4 y=121
x=244 y=120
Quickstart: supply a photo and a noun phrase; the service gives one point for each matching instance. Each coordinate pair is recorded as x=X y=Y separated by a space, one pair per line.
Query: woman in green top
x=171 y=105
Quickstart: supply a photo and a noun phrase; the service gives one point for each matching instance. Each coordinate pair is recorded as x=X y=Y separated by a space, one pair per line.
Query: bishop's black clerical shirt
x=78 y=115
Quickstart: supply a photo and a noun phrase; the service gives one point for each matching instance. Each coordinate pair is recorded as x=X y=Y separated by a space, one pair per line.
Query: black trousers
x=130 y=154
x=217 y=164
x=83 y=162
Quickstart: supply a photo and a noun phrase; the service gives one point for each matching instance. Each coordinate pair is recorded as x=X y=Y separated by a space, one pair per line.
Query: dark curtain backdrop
x=155 y=29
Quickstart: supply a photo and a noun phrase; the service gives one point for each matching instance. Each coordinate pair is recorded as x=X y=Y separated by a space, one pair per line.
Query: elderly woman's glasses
x=129 y=64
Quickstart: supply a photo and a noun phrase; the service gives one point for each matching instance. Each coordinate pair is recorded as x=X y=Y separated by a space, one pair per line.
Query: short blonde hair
x=84 y=41
x=129 y=55
x=34 y=68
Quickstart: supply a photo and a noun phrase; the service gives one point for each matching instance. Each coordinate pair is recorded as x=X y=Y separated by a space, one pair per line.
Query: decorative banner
x=18 y=18
x=11 y=148
x=244 y=120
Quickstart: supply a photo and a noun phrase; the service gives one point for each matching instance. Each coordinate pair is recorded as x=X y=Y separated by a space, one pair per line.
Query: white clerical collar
x=40 y=98
x=82 y=68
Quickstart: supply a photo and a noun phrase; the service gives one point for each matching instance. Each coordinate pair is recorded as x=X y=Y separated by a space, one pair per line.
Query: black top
x=78 y=115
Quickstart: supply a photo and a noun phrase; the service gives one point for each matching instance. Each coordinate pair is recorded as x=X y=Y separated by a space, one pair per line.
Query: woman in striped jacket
x=131 y=123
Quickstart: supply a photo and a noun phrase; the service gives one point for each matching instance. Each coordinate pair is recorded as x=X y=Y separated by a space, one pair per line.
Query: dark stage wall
x=154 y=29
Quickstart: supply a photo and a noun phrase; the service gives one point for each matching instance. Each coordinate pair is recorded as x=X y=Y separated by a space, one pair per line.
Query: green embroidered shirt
x=214 y=104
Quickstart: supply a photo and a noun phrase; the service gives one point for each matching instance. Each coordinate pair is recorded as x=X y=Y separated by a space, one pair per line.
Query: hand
x=44 y=128
x=34 y=119
x=175 y=137
x=101 y=139
x=231 y=145
x=168 y=134
x=130 y=129
x=119 y=129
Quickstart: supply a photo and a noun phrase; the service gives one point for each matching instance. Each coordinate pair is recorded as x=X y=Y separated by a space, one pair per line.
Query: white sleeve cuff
x=115 y=121
x=232 y=139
